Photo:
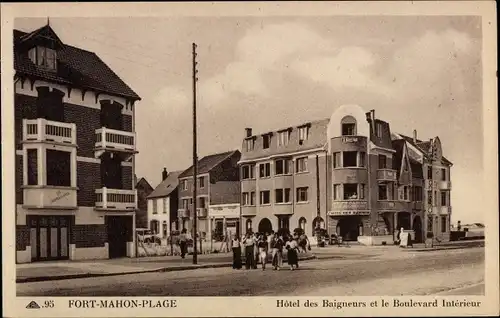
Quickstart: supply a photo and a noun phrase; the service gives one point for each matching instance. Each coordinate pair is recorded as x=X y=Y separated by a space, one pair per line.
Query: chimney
x=373 y=114
x=248 y=132
x=164 y=174
x=372 y=124
x=414 y=136
x=368 y=116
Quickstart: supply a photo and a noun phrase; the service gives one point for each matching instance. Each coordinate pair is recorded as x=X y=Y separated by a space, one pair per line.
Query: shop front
x=223 y=221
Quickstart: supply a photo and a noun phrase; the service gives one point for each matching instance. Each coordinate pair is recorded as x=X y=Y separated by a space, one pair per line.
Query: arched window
x=248 y=225
x=165 y=228
x=302 y=223
x=348 y=124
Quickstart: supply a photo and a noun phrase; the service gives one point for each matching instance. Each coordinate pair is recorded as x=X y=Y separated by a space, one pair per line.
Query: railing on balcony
x=350 y=207
x=248 y=211
x=417 y=205
x=386 y=175
x=116 y=199
x=201 y=212
x=184 y=213
x=394 y=205
x=445 y=185
x=118 y=140
x=441 y=210
x=46 y=130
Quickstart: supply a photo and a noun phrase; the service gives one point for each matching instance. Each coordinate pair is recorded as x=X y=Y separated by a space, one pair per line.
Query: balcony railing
x=386 y=175
x=248 y=211
x=116 y=199
x=443 y=210
x=49 y=197
x=417 y=205
x=445 y=185
x=40 y=130
x=184 y=213
x=114 y=140
x=350 y=207
x=201 y=212
x=394 y=205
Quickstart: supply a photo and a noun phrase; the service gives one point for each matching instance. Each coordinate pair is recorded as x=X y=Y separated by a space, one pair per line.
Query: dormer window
x=283 y=137
x=348 y=126
x=44 y=57
x=266 y=141
x=303 y=133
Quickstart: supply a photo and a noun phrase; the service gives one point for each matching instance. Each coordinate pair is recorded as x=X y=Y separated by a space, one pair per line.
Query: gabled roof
x=424 y=146
x=75 y=66
x=144 y=182
x=207 y=163
x=166 y=186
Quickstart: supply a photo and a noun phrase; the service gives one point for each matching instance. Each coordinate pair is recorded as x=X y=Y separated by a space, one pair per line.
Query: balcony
x=417 y=205
x=42 y=197
x=184 y=213
x=444 y=185
x=248 y=211
x=116 y=141
x=43 y=130
x=393 y=205
x=386 y=175
x=349 y=207
x=116 y=199
x=441 y=210
x=201 y=212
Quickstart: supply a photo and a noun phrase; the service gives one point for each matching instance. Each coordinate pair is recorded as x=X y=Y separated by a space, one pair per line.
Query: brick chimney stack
x=164 y=174
x=248 y=132
x=414 y=136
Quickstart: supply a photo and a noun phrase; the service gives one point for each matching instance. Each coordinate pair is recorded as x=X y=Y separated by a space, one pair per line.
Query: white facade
x=159 y=216
x=228 y=215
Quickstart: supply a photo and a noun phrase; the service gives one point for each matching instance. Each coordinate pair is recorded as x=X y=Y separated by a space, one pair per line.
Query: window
x=429 y=172
x=44 y=57
x=301 y=164
x=165 y=229
x=405 y=193
x=282 y=166
x=32 y=157
x=429 y=197
x=443 y=224
x=362 y=159
x=443 y=198
x=417 y=194
x=336 y=192
x=201 y=181
x=264 y=170
x=155 y=206
x=348 y=129
x=184 y=185
x=58 y=168
x=378 y=127
x=382 y=192
x=265 y=197
x=266 y=139
x=248 y=172
x=249 y=224
x=362 y=191
x=349 y=159
x=302 y=194
x=248 y=198
x=282 y=196
x=185 y=204
x=202 y=201
x=350 y=191
x=303 y=133
x=165 y=207
x=302 y=223
x=249 y=144
x=283 y=222
x=443 y=174
x=382 y=162
x=336 y=160
x=283 y=137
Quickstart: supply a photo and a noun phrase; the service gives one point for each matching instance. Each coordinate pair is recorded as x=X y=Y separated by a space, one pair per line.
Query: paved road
x=312 y=276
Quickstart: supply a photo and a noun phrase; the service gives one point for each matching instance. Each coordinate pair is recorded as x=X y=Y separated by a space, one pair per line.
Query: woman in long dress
x=236 y=245
x=292 y=247
x=263 y=245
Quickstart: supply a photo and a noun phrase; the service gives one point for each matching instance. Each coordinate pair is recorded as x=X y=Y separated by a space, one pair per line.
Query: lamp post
x=195 y=160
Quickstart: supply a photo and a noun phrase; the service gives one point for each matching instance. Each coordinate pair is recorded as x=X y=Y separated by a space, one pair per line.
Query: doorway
x=49 y=236
x=265 y=226
x=119 y=230
x=349 y=228
x=417 y=228
x=403 y=221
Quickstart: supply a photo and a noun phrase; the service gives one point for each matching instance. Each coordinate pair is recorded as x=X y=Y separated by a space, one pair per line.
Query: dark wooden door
x=119 y=230
x=49 y=237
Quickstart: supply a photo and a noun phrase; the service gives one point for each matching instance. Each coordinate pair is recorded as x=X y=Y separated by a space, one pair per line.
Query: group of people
x=256 y=249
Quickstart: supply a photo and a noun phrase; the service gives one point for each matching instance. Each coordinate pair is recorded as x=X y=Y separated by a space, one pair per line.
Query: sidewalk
x=57 y=270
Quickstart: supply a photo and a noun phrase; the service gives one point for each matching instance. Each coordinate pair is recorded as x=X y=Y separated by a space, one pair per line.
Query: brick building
x=75 y=145
x=348 y=174
x=143 y=190
x=218 y=185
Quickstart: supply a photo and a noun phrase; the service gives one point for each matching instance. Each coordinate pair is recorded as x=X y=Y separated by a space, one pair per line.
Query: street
x=412 y=273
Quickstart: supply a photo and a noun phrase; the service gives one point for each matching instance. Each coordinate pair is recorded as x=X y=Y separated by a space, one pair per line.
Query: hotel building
x=349 y=175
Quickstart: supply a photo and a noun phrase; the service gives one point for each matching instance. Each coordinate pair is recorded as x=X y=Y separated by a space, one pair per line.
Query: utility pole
x=195 y=160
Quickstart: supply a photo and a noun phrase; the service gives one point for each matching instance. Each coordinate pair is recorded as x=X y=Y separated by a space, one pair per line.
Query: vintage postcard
x=249 y=159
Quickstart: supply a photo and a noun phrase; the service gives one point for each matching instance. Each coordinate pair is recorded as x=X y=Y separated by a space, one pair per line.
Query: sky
x=417 y=72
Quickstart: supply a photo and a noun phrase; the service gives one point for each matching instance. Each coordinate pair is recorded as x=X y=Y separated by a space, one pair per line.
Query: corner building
x=75 y=146
x=349 y=175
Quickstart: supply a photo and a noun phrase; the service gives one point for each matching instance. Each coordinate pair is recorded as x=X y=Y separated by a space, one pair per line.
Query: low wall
x=88 y=253
x=375 y=240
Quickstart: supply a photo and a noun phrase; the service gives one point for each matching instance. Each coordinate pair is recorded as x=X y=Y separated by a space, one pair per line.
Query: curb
x=156 y=270
x=442 y=248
